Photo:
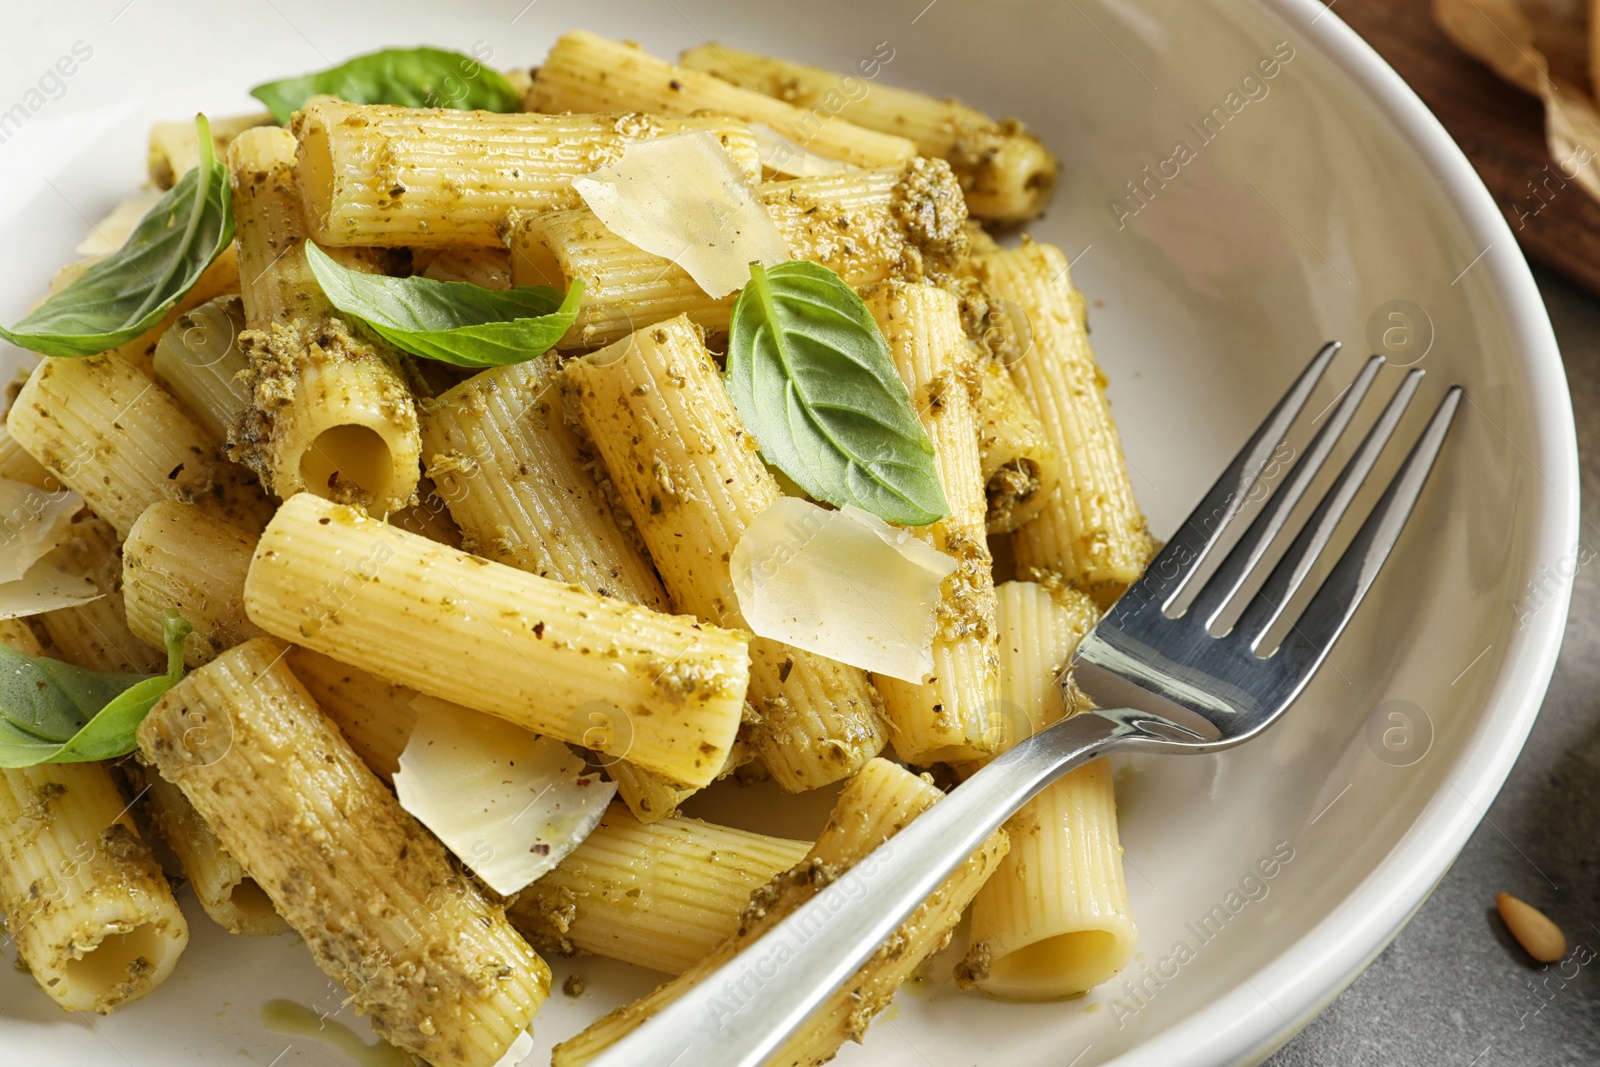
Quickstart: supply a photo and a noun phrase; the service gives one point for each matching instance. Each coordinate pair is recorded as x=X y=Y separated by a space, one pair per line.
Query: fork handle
x=828 y=938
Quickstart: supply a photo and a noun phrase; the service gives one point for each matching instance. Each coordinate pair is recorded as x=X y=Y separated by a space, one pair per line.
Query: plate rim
x=1244 y=1024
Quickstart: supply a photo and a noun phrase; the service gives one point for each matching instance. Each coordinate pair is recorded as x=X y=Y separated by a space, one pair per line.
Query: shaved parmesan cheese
x=782 y=156
x=843 y=584
x=683 y=198
x=55 y=581
x=32 y=522
x=519 y=1051
x=39 y=569
x=509 y=803
x=113 y=231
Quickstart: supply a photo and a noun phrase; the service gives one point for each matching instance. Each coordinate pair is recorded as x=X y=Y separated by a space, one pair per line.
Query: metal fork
x=1160 y=681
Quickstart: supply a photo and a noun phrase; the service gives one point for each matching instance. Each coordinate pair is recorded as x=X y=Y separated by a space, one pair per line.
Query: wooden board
x=1499 y=127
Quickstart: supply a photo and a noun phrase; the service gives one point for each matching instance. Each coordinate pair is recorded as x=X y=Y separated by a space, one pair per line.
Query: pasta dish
x=438 y=478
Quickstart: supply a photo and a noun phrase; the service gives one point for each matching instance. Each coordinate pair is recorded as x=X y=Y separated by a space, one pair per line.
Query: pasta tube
x=17 y=466
x=690 y=477
x=328 y=412
x=1091 y=532
x=585 y=72
x=374 y=175
x=220 y=278
x=865 y=225
x=200 y=361
x=649 y=797
x=660 y=896
x=429 y=516
x=229 y=896
x=92 y=916
x=872 y=807
x=488 y=267
x=384 y=910
x=96 y=634
x=375 y=716
x=1054 y=919
x=414 y=611
x=179 y=558
x=945 y=718
x=515 y=477
x=1005 y=171
x=1020 y=468
x=175 y=146
x=110 y=433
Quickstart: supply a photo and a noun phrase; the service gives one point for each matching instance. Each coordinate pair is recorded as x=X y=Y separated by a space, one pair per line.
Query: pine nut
x=1533 y=930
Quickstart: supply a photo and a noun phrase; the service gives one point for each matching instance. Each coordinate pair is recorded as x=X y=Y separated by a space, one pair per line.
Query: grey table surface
x=1453 y=990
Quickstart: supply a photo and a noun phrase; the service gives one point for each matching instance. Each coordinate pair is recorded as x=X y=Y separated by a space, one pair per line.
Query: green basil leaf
x=53 y=712
x=454 y=322
x=811 y=376
x=129 y=291
x=409 y=77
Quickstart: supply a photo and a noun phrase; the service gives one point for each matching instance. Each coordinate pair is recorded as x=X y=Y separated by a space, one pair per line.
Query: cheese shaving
x=33 y=521
x=788 y=159
x=843 y=584
x=520 y=1050
x=55 y=581
x=509 y=803
x=40 y=569
x=683 y=198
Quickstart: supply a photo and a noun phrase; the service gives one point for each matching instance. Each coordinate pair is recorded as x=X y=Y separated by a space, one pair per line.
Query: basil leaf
x=129 y=291
x=454 y=322
x=53 y=712
x=811 y=376
x=409 y=77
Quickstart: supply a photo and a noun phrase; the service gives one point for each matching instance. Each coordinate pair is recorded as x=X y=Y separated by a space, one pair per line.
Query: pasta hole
x=535 y=264
x=315 y=172
x=1074 y=962
x=248 y=897
x=117 y=959
x=347 y=457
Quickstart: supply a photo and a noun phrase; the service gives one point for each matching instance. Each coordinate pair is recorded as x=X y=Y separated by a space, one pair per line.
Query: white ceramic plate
x=1323 y=196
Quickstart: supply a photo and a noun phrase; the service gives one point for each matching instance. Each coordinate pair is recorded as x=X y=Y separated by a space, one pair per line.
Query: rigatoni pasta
x=111 y=434
x=376 y=175
x=1020 y=467
x=586 y=72
x=515 y=477
x=328 y=412
x=867 y=225
x=1006 y=172
x=199 y=360
x=692 y=481
x=945 y=718
x=175 y=146
x=1093 y=531
x=96 y=634
x=229 y=896
x=383 y=908
x=411 y=610
x=178 y=558
x=660 y=895
x=873 y=806
x=93 y=918
x=376 y=717
x=1053 y=920
x=433 y=536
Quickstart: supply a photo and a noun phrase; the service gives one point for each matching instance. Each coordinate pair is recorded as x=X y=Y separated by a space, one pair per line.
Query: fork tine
x=1193 y=541
x=1290 y=573
x=1325 y=617
x=1225 y=582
